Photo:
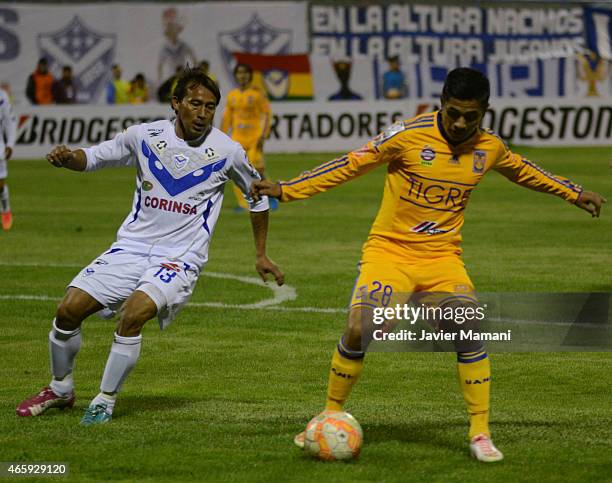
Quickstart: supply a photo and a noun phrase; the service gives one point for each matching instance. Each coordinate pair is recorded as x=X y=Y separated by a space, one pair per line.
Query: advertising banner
x=322 y=127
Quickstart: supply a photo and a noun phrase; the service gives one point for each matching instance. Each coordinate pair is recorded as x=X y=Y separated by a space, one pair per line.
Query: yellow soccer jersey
x=428 y=184
x=247 y=115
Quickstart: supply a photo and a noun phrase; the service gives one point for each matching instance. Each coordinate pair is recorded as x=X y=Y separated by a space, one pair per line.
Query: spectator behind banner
x=117 y=90
x=139 y=91
x=165 y=91
x=204 y=66
x=40 y=83
x=342 y=68
x=175 y=52
x=394 y=86
x=64 y=88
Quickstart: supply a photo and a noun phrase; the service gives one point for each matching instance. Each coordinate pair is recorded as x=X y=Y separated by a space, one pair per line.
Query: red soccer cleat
x=7 y=221
x=45 y=399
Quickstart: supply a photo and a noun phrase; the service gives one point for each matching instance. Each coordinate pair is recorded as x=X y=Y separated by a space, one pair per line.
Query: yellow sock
x=240 y=198
x=474 y=370
x=343 y=373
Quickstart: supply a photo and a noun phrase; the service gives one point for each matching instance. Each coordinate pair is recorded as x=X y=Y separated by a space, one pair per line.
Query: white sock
x=107 y=399
x=63 y=388
x=123 y=356
x=4 y=199
x=63 y=348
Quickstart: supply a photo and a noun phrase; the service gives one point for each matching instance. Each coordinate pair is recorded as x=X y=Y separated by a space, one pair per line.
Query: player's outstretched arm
x=591 y=202
x=63 y=157
x=263 y=265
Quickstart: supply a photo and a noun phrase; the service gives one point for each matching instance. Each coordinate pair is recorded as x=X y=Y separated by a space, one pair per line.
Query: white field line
x=280 y=294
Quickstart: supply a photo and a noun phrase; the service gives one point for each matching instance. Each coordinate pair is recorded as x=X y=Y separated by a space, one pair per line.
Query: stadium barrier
x=324 y=126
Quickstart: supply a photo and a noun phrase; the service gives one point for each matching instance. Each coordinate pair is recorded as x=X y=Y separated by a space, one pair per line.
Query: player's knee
x=353 y=335
x=465 y=320
x=68 y=316
x=131 y=323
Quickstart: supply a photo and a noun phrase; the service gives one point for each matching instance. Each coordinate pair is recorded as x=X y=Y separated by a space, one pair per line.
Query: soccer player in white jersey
x=8 y=131
x=162 y=246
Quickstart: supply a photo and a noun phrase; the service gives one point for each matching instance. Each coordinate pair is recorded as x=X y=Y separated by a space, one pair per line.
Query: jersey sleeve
x=380 y=150
x=243 y=174
x=114 y=153
x=521 y=171
x=9 y=123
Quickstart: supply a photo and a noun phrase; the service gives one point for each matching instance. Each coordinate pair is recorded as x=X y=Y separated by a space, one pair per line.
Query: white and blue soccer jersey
x=179 y=188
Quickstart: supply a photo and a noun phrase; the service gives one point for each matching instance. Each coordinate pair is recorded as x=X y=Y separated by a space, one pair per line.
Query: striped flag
x=284 y=77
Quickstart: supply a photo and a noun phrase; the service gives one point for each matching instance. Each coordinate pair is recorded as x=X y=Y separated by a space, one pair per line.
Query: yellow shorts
x=382 y=283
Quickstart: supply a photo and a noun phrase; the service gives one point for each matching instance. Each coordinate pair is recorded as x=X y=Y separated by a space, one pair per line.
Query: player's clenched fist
x=265 y=188
x=63 y=157
x=60 y=156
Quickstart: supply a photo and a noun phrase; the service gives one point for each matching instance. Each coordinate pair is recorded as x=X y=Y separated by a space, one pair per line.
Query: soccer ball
x=333 y=435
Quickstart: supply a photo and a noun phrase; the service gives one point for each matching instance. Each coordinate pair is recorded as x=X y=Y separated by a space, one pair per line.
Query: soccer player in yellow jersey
x=247 y=119
x=434 y=161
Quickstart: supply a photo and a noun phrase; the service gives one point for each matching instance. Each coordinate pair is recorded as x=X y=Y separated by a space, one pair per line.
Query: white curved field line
x=279 y=294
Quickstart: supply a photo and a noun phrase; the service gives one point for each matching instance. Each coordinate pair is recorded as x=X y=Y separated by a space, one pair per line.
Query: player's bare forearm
x=263 y=265
x=63 y=157
x=259 y=222
x=591 y=202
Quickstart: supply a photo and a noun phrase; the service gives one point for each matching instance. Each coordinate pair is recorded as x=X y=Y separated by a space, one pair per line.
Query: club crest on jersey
x=173 y=185
x=427 y=156
x=147 y=185
x=480 y=159
x=180 y=160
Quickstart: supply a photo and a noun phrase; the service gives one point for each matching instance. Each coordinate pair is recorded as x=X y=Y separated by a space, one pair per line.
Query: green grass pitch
x=220 y=394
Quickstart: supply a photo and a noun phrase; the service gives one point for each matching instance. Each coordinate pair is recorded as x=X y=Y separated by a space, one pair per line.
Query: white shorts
x=113 y=276
x=3 y=169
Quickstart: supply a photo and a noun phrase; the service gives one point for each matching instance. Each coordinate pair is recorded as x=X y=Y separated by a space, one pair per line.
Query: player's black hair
x=246 y=66
x=465 y=84
x=191 y=77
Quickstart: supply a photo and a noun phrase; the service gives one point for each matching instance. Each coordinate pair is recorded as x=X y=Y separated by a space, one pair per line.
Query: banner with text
x=532 y=51
x=323 y=127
